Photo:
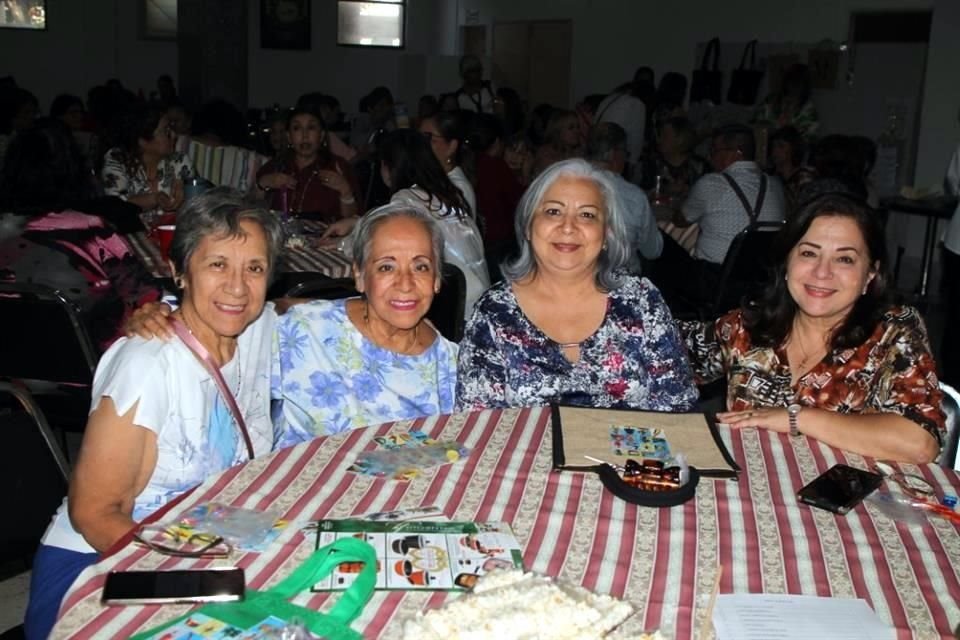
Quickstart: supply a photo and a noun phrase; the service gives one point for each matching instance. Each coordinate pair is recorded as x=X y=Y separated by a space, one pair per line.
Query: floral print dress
x=891 y=372
x=635 y=360
x=118 y=181
x=332 y=378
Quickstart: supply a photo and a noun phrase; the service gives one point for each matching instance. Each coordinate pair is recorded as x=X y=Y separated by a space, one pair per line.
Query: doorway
x=533 y=57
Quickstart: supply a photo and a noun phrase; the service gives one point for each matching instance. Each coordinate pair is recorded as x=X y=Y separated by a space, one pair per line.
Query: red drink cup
x=164 y=235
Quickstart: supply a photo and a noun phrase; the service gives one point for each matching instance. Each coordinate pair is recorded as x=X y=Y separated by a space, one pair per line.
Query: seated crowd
x=573 y=293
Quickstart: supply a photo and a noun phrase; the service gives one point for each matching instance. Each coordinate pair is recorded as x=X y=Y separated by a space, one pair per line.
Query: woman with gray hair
x=160 y=423
x=372 y=359
x=568 y=324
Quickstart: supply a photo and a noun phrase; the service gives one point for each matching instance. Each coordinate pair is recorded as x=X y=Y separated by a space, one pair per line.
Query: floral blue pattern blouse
x=635 y=360
x=332 y=378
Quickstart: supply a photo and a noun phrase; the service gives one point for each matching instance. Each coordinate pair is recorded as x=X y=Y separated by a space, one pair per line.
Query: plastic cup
x=164 y=235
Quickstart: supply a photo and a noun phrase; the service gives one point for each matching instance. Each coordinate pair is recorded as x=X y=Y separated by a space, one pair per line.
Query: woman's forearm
x=886 y=436
x=101 y=529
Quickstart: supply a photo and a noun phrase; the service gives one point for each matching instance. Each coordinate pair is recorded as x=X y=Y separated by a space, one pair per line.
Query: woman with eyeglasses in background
x=144 y=168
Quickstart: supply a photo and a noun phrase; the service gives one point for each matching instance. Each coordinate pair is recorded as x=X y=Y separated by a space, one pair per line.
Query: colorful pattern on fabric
x=891 y=372
x=118 y=181
x=335 y=379
x=634 y=360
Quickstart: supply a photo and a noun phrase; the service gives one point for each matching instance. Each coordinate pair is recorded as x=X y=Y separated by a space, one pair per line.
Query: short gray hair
x=615 y=255
x=369 y=223
x=219 y=212
x=604 y=139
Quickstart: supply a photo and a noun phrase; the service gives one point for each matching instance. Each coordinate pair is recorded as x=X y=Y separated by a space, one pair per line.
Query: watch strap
x=793 y=416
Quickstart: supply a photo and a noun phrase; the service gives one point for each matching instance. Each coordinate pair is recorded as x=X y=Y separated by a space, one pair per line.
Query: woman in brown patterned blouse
x=824 y=344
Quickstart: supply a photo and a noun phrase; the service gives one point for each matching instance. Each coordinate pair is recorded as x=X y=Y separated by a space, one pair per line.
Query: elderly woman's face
x=399 y=275
x=568 y=226
x=226 y=280
x=829 y=268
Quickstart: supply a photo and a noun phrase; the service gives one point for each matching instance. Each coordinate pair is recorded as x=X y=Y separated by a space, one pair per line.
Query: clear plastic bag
x=246 y=529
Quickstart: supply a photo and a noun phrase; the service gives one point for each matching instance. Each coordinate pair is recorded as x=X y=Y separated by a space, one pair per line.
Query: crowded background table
x=305 y=257
x=664 y=561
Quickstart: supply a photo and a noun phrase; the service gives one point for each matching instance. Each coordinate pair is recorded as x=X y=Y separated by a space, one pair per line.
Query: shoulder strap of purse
x=713 y=46
x=752 y=212
x=749 y=49
x=208 y=363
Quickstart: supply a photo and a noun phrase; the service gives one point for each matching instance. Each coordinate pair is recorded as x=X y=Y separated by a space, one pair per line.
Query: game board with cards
x=428 y=556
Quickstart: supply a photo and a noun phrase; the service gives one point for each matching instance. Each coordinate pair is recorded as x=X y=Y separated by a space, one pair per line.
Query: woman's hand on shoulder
x=150 y=321
x=772 y=418
x=282 y=305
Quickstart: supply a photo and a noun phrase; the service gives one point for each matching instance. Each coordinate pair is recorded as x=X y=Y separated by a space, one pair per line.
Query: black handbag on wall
x=745 y=80
x=708 y=82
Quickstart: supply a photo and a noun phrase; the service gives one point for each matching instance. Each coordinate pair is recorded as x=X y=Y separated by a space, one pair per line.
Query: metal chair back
x=43 y=336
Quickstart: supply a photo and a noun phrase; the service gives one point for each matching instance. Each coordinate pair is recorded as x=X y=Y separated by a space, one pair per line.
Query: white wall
x=279 y=76
x=611 y=38
x=939 y=128
x=85 y=43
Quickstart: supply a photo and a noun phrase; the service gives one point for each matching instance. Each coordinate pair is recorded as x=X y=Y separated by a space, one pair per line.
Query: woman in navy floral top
x=567 y=324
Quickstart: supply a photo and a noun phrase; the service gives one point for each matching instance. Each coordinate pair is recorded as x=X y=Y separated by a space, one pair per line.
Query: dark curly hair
x=769 y=318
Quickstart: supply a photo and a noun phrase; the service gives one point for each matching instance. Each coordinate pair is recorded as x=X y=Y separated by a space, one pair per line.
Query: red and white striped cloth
x=329 y=262
x=664 y=561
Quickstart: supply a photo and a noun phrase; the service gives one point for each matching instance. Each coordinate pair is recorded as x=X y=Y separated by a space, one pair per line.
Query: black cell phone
x=161 y=587
x=840 y=488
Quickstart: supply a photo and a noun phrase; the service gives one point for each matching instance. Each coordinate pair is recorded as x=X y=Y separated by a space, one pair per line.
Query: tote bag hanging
x=333 y=624
x=708 y=79
x=745 y=80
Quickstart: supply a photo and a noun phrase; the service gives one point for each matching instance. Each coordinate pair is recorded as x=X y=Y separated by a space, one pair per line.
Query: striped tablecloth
x=664 y=561
x=329 y=262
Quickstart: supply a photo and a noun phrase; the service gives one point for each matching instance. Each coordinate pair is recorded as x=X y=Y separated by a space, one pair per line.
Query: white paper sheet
x=785 y=617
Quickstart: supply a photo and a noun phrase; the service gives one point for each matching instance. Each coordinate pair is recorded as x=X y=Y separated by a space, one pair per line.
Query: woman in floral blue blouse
x=361 y=361
x=568 y=324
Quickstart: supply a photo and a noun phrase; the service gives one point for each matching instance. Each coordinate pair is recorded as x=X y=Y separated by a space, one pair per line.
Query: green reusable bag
x=334 y=624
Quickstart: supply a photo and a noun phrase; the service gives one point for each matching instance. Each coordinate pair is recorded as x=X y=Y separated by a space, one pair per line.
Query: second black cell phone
x=839 y=488
x=160 y=587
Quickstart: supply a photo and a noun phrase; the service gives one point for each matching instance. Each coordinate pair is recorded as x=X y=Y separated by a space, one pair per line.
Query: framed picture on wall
x=285 y=24
x=23 y=14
